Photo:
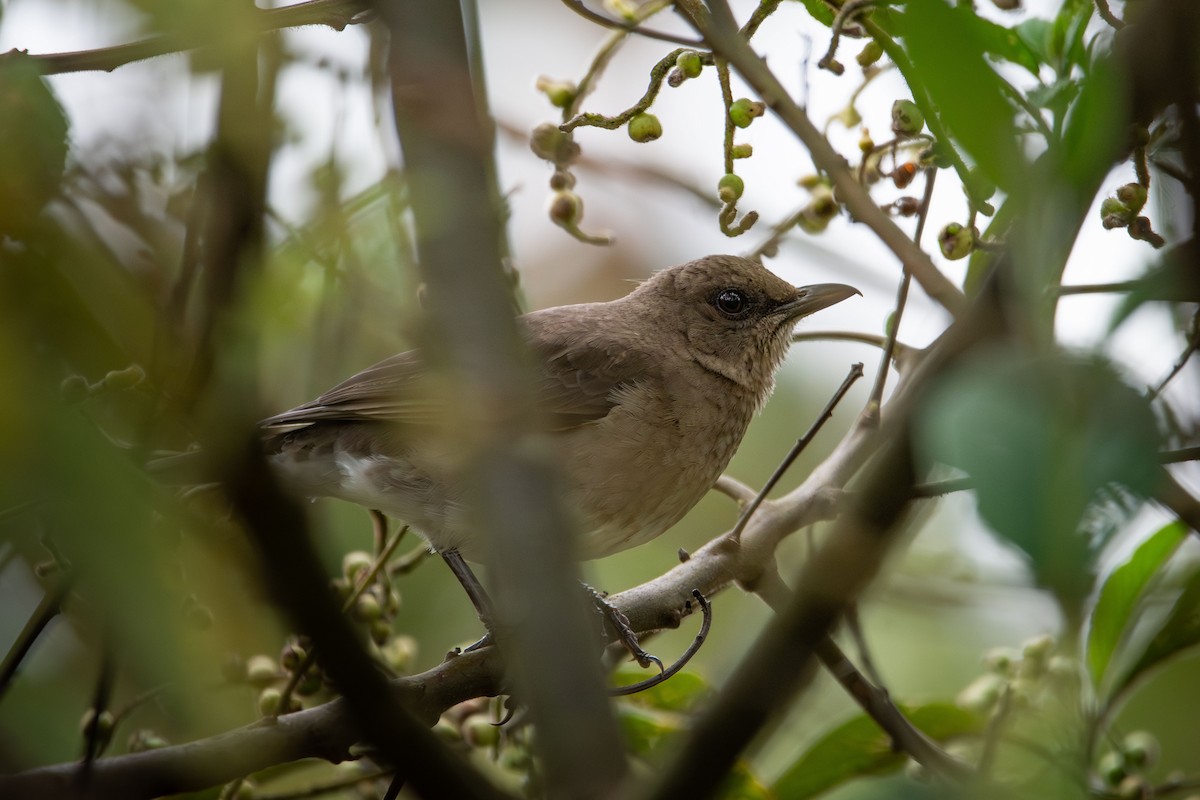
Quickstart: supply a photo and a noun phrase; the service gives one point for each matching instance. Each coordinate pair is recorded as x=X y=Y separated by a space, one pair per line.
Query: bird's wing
x=392 y=390
x=576 y=384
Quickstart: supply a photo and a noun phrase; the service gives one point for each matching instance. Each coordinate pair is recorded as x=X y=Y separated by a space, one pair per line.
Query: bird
x=645 y=399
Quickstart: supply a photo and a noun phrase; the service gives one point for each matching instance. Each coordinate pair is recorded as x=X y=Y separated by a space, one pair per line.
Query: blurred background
x=339 y=292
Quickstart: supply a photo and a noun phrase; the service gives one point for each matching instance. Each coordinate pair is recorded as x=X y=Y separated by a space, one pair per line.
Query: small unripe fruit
x=261 y=670
x=447 y=731
x=1141 y=750
x=144 y=739
x=906 y=206
x=871 y=52
x=367 y=608
x=1112 y=768
x=400 y=653
x=549 y=143
x=823 y=203
x=74 y=389
x=97 y=727
x=810 y=181
x=690 y=63
x=270 y=700
x=730 y=188
x=645 y=128
x=1114 y=213
x=310 y=684
x=566 y=209
x=741 y=151
x=810 y=222
x=561 y=179
x=979 y=186
x=560 y=93
x=907 y=119
x=292 y=656
x=981 y=694
x=355 y=564
x=381 y=631
x=955 y=241
x=1133 y=788
x=743 y=111
x=126 y=378
x=1133 y=195
x=865 y=143
x=1038 y=648
x=1000 y=660
x=478 y=731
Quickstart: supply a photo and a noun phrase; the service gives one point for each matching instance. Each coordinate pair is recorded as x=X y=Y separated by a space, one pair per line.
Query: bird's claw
x=663 y=675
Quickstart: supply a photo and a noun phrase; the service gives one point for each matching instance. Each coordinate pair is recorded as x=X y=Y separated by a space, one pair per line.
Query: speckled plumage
x=646 y=397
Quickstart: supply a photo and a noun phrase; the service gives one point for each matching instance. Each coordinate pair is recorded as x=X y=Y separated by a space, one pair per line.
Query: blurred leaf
x=33 y=142
x=646 y=728
x=741 y=784
x=1038 y=37
x=1007 y=44
x=1120 y=595
x=680 y=693
x=859 y=748
x=1174 y=279
x=820 y=11
x=1055 y=96
x=1179 y=631
x=1096 y=127
x=947 y=46
x=1041 y=437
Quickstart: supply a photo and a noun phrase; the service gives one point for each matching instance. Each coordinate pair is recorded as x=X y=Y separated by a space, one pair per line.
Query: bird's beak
x=810 y=299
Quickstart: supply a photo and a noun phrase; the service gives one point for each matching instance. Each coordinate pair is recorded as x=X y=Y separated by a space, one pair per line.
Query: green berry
x=478 y=731
x=741 y=151
x=549 y=143
x=1141 y=750
x=1114 y=213
x=380 y=631
x=690 y=63
x=261 y=670
x=144 y=739
x=1133 y=195
x=400 y=652
x=292 y=656
x=956 y=241
x=566 y=209
x=1038 y=648
x=270 y=700
x=97 y=727
x=126 y=378
x=744 y=111
x=871 y=52
x=907 y=119
x=644 y=128
x=730 y=188
x=560 y=93
x=823 y=203
x=367 y=608
x=810 y=222
x=355 y=564
x=979 y=186
x=74 y=389
x=1112 y=768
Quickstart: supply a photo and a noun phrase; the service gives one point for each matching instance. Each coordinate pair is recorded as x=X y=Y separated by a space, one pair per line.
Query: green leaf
x=33 y=143
x=680 y=693
x=1006 y=43
x=1180 y=631
x=820 y=11
x=946 y=46
x=859 y=748
x=646 y=728
x=1042 y=437
x=1038 y=36
x=1121 y=594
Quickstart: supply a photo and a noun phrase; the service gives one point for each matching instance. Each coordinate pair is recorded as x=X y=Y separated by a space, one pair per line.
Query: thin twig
x=993 y=734
x=1192 y=345
x=325 y=788
x=628 y=27
x=1098 y=288
x=854 y=625
x=855 y=373
x=1108 y=16
x=693 y=648
x=47 y=609
x=845 y=13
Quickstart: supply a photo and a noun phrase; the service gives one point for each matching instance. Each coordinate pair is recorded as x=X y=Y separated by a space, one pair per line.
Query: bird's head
x=734 y=315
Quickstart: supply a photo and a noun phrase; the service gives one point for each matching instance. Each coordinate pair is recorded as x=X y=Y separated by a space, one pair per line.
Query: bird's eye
x=731 y=303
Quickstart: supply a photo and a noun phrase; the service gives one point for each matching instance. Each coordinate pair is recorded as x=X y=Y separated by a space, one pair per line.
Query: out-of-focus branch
x=471 y=334
x=336 y=14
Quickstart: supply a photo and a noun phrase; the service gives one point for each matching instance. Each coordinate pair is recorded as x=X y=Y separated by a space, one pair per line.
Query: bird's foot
x=619 y=623
x=642 y=686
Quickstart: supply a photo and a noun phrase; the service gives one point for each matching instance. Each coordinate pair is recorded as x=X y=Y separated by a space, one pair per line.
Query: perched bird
x=646 y=399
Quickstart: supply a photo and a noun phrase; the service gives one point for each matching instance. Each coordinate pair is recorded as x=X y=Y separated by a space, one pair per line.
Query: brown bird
x=647 y=398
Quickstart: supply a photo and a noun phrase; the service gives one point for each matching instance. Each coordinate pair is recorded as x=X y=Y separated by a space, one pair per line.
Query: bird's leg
x=475 y=591
x=620 y=624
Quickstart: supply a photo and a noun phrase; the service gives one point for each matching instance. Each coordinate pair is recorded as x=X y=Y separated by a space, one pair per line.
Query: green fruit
x=292 y=657
x=126 y=378
x=1141 y=750
x=1114 y=213
x=478 y=731
x=400 y=653
x=741 y=151
x=956 y=241
x=690 y=63
x=871 y=52
x=730 y=188
x=261 y=670
x=549 y=143
x=744 y=111
x=566 y=209
x=367 y=608
x=1133 y=195
x=560 y=93
x=74 y=389
x=270 y=700
x=644 y=128
x=979 y=186
x=907 y=119
x=1112 y=768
